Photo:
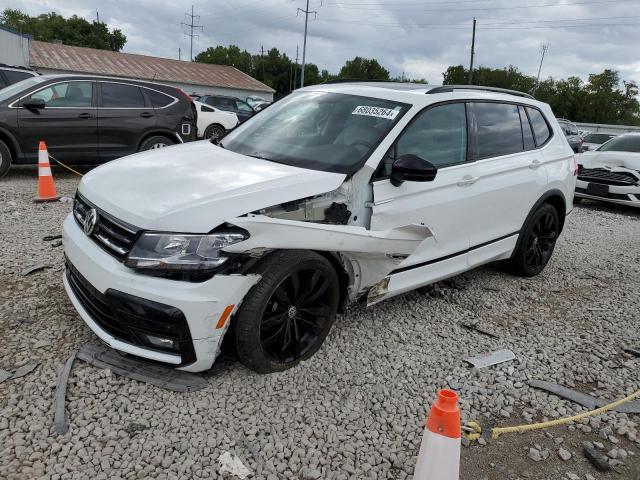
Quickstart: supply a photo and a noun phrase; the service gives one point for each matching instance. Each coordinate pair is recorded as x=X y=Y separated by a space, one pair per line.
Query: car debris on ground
x=491 y=358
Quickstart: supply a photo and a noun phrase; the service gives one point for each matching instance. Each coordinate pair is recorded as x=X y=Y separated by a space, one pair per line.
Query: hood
x=597 y=159
x=195 y=187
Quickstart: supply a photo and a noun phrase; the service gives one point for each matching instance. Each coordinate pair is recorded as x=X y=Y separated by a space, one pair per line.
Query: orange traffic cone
x=439 y=456
x=46 y=187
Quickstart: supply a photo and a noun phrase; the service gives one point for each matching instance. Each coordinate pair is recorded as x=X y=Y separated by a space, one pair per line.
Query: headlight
x=181 y=252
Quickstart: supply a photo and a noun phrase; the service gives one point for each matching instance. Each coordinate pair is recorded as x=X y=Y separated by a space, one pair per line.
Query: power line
x=544 y=5
x=192 y=27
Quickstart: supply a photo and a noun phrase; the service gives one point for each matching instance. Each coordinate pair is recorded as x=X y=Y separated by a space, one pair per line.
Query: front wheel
x=537 y=242
x=215 y=132
x=285 y=317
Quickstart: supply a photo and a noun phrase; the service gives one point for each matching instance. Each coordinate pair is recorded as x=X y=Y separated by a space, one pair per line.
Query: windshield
x=598 y=137
x=630 y=143
x=332 y=132
x=16 y=88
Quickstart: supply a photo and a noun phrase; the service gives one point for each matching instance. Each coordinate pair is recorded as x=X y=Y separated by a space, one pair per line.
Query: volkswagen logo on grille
x=90 y=221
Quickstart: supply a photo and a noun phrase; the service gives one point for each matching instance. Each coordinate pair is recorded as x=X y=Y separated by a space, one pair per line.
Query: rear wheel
x=154 y=142
x=214 y=131
x=5 y=159
x=285 y=318
x=537 y=242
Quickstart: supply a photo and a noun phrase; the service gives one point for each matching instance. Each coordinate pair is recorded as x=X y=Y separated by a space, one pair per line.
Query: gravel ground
x=356 y=409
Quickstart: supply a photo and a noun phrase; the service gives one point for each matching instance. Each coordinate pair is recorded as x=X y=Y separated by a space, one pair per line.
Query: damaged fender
x=267 y=233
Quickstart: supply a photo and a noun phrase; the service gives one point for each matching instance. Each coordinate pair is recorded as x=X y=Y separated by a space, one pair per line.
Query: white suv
x=335 y=193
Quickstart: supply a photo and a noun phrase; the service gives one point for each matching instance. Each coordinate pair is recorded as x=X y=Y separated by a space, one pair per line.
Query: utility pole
x=473 y=47
x=304 y=45
x=179 y=53
x=262 y=60
x=543 y=50
x=97 y=16
x=192 y=27
x=295 y=70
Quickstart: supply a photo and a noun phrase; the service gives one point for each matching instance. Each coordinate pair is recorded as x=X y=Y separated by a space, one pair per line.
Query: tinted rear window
x=539 y=124
x=158 y=99
x=120 y=95
x=499 y=130
x=15 y=77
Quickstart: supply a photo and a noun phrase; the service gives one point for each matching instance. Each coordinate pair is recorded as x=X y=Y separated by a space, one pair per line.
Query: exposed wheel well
x=343 y=276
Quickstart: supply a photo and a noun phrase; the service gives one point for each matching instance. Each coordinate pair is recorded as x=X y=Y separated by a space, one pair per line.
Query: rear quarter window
x=158 y=99
x=15 y=77
x=540 y=127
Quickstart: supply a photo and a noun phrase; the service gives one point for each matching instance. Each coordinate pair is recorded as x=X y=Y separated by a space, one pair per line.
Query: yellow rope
x=65 y=166
x=496 y=432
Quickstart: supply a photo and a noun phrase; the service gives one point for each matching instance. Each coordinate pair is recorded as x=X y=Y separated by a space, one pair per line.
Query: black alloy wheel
x=286 y=316
x=537 y=241
x=215 y=132
x=541 y=241
x=295 y=315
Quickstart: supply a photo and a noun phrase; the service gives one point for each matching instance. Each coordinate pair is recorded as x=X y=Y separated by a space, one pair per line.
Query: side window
x=15 y=77
x=67 y=94
x=243 y=107
x=499 y=130
x=438 y=135
x=2 y=82
x=540 y=127
x=120 y=95
x=527 y=133
x=158 y=99
x=204 y=108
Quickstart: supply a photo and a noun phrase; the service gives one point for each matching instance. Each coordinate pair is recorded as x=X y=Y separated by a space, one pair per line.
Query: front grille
x=607 y=177
x=113 y=235
x=128 y=318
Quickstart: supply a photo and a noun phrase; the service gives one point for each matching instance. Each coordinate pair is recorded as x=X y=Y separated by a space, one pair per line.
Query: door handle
x=467 y=180
x=146 y=115
x=85 y=115
x=535 y=164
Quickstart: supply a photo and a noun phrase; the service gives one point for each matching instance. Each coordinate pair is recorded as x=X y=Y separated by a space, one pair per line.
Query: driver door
x=445 y=205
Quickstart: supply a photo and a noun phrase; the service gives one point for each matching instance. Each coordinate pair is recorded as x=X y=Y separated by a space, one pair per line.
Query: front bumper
x=621 y=194
x=202 y=303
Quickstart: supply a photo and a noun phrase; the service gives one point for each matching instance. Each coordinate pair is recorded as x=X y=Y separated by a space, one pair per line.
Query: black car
x=230 y=104
x=10 y=75
x=89 y=119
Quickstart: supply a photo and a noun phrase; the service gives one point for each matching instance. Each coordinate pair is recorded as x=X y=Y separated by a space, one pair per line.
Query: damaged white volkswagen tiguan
x=335 y=193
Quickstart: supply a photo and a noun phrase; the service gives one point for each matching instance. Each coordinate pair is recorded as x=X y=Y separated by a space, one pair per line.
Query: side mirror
x=33 y=104
x=411 y=168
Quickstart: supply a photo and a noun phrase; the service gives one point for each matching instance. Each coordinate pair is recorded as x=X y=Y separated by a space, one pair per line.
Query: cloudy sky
x=418 y=37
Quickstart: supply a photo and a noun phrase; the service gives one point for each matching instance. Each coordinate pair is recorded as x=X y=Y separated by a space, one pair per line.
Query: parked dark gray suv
x=572 y=134
x=90 y=119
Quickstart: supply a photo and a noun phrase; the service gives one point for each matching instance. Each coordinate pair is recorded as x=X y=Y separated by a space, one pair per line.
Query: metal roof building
x=192 y=77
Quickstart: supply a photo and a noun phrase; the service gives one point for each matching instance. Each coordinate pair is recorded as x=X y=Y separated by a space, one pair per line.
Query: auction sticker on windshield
x=379 y=112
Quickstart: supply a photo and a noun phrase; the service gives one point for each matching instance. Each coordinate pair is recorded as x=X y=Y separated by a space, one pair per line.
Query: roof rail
x=451 y=88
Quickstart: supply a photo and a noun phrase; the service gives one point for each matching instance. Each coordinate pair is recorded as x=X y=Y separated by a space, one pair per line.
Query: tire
x=5 y=159
x=274 y=312
x=214 y=131
x=157 y=141
x=537 y=241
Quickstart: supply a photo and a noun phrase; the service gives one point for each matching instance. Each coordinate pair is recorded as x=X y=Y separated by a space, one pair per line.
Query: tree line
x=603 y=98
x=76 y=31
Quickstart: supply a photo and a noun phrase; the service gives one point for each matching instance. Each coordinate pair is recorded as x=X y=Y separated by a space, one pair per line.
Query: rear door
x=509 y=175
x=124 y=116
x=68 y=123
x=243 y=111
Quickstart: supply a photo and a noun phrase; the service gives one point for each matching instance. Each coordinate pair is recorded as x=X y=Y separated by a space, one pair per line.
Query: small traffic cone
x=46 y=187
x=439 y=457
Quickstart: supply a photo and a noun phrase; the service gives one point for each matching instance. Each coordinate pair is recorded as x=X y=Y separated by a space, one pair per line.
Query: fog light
x=159 y=342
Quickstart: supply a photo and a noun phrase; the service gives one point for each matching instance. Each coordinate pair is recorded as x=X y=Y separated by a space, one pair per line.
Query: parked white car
x=593 y=140
x=335 y=193
x=213 y=122
x=612 y=172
